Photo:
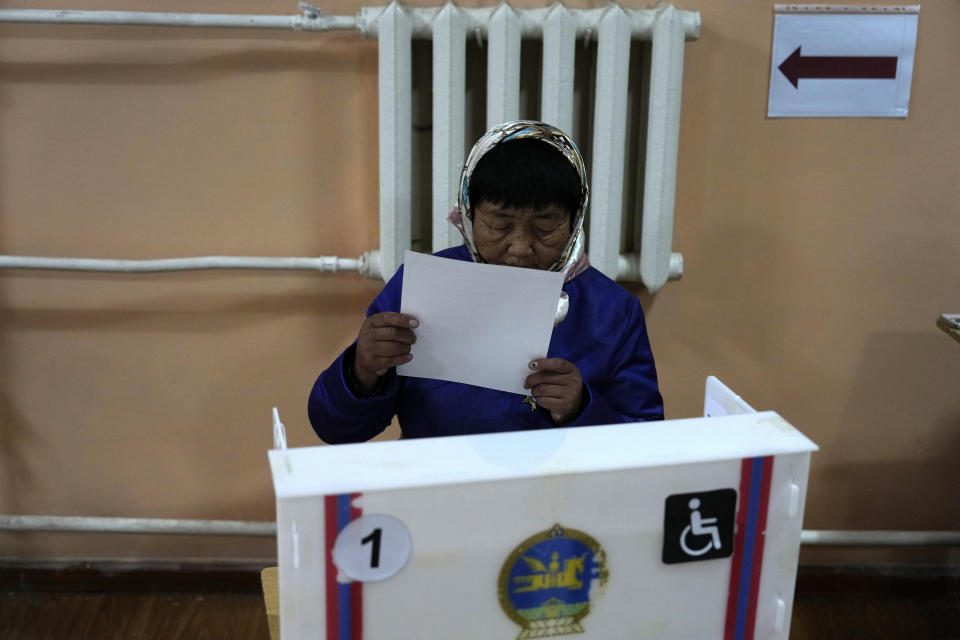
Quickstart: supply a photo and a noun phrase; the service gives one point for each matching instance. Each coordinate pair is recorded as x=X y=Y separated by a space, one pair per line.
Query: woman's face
x=528 y=237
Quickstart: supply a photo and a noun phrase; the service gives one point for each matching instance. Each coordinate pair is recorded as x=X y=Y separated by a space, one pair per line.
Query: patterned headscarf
x=572 y=260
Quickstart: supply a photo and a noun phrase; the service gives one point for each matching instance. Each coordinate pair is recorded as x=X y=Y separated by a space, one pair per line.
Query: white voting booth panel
x=674 y=529
x=720 y=400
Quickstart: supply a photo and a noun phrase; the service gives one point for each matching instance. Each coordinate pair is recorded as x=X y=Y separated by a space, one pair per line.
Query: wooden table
x=271 y=598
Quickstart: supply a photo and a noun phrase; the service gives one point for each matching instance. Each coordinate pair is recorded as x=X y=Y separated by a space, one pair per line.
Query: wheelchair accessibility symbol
x=699 y=526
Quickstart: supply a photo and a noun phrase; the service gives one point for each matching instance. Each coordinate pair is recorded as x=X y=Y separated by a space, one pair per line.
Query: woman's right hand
x=384 y=342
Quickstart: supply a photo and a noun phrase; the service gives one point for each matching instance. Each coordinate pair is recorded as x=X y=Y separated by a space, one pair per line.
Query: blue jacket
x=604 y=334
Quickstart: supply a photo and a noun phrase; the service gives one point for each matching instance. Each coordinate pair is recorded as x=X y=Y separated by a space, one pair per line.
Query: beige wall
x=818 y=255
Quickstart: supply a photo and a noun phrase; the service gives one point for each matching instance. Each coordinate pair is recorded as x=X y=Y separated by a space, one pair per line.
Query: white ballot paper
x=480 y=324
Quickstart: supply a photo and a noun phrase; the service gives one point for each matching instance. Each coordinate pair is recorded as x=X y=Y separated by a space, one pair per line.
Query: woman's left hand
x=557 y=387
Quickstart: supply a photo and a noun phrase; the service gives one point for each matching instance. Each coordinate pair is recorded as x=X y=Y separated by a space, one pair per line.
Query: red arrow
x=837 y=67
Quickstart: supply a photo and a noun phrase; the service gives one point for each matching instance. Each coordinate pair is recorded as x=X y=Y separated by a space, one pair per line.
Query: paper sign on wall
x=850 y=61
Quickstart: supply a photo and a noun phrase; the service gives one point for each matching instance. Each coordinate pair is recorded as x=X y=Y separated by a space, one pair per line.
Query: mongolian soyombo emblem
x=546 y=584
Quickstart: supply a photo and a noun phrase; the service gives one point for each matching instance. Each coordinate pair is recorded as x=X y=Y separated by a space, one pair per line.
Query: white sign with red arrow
x=846 y=61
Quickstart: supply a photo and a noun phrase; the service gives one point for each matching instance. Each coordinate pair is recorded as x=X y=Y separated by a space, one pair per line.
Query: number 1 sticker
x=372 y=547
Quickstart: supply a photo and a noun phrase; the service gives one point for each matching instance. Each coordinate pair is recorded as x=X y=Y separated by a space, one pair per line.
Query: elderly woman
x=523 y=195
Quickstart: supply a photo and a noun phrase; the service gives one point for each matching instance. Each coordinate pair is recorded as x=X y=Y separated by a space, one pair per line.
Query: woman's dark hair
x=525 y=173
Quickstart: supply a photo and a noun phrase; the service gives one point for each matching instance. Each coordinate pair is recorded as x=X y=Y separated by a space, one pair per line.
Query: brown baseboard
x=243 y=576
x=132 y=575
x=878 y=581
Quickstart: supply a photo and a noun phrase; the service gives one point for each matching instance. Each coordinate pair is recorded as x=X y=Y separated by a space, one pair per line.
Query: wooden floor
x=867 y=617
x=132 y=616
x=825 y=609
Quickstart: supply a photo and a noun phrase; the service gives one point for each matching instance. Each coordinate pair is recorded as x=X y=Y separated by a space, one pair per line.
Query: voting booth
x=674 y=529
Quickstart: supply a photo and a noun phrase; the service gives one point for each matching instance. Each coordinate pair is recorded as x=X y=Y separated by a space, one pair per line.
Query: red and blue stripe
x=344 y=599
x=747 y=561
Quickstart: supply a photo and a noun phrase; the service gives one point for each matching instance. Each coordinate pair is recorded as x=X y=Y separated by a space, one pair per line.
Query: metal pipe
x=77 y=524
x=322 y=263
x=880 y=538
x=629 y=267
x=310 y=19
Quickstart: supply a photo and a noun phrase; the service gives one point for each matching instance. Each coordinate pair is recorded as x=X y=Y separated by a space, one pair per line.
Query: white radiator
x=502 y=29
